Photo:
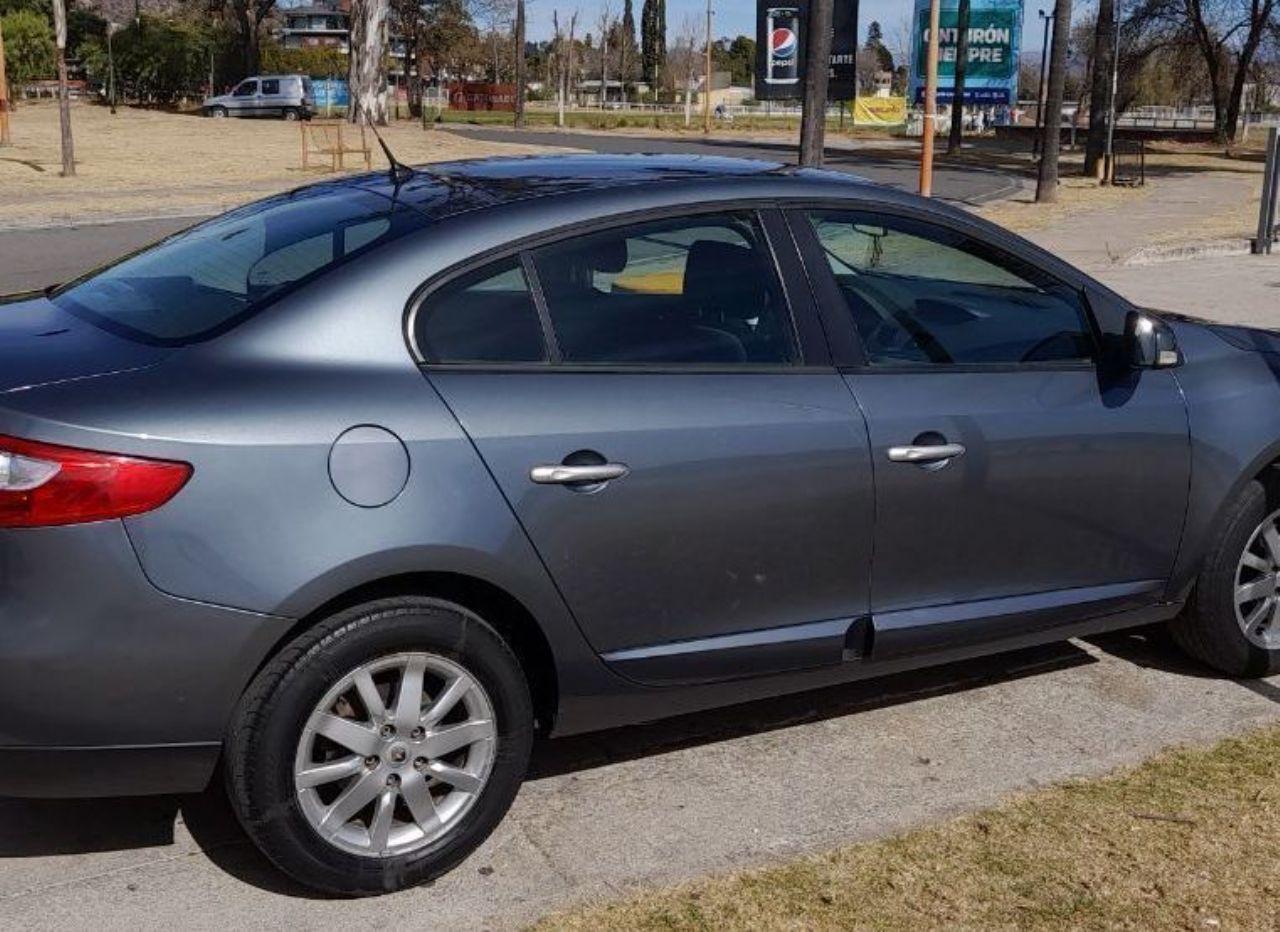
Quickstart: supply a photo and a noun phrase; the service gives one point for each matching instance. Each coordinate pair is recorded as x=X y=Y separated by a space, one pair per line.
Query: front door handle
x=577 y=475
x=933 y=453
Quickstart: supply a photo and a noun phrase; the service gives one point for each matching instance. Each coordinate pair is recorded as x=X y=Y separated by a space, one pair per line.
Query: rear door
x=682 y=454
x=1020 y=482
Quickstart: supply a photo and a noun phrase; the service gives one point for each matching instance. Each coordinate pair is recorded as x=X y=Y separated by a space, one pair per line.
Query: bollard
x=1267 y=217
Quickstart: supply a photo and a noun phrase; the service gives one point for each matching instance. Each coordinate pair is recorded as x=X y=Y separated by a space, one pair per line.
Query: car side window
x=693 y=291
x=246 y=89
x=271 y=87
x=922 y=294
x=486 y=316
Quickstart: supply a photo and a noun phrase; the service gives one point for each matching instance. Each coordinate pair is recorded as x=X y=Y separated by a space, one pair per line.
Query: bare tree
x=247 y=16
x=564 y=56
x=367 y=69
x=64 y=104
x=606 y=21
x=685 y=61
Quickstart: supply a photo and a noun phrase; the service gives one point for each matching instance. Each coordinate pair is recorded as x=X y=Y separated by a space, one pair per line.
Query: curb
x=73 y=223
x=1179 y=252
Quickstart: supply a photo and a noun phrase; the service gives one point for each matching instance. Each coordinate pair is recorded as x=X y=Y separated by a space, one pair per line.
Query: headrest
x=724 y=276
x=607 y=254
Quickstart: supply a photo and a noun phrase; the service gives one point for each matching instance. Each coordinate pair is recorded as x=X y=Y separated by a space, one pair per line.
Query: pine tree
x=653 y=40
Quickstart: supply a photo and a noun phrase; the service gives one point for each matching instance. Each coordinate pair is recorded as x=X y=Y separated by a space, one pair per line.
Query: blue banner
x=995 y=42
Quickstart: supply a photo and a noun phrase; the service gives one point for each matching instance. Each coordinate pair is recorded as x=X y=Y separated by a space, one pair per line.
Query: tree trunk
x=64 y=102
x=1047 y=182
x=813 y=118
x=521 y=80
x=248 y=31
x=1104 y=52
x=367 y=71
x=1263 y=15
x=4 y=98
x=957 y=97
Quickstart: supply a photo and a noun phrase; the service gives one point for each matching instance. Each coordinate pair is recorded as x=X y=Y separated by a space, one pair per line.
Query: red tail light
x=43 y=485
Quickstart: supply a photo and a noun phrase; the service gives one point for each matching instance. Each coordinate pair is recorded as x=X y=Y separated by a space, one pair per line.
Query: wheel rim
x=395 y=755
x=1257 y=599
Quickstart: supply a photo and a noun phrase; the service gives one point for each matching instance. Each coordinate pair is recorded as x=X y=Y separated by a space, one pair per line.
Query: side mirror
x=1150 y=343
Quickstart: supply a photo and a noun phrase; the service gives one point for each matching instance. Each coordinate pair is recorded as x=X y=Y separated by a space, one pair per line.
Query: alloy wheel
x=1257 y=585
x=395 y=754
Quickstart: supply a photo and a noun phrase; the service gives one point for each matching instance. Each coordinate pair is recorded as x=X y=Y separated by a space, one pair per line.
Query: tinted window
x=210 y=277
x=923 y=294
x=271 y=87
x=696 y=291
x=246 y=89
x=486 y=316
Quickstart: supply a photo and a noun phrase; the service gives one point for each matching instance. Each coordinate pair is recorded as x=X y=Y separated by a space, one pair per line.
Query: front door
x=1017 y=483
x=699 y=494
x=244 y=99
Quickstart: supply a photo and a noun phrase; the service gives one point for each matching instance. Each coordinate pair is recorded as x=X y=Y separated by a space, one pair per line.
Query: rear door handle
x=577 y=475
x=935 y=453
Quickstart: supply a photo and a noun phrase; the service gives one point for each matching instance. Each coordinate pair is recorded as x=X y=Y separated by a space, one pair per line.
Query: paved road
x=605 y=814
x=967 y=184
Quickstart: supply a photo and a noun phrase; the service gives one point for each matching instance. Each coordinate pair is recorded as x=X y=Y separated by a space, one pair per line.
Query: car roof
x=446 y=189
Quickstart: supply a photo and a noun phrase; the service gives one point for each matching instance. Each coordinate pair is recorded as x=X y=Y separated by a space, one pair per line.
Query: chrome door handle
x=574 y=475
x=930 y=454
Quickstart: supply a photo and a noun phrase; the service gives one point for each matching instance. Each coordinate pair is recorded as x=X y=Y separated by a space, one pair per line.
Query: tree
x=738 y=57
x=1103 y=58
x=653 y=40
x=28 y=46
x=64 y=100
x=813 y=118
x=409 y=22
x=606 y=26
x=247 y=17
x=367 y=70
x=625 y=42
x=1047 y=180
x=956 y=138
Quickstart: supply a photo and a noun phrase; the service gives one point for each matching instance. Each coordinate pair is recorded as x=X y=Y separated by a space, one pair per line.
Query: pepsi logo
x=783 y=43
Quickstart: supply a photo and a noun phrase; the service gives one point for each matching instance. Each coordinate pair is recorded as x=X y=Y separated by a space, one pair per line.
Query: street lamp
x=111 y=67
x=1043 y=90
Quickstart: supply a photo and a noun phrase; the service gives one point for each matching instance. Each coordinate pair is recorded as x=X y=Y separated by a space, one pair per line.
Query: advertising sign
x=995 y=38
x=880 y=111
x=780 y=49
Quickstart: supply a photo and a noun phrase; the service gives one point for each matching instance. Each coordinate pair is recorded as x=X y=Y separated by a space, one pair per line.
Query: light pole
x=1109 y=152
x=1047 y=19
x=111 y=68
x=706 y=101
x=930 y=101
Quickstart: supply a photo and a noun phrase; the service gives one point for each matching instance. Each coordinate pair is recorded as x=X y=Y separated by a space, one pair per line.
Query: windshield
x=210 y=278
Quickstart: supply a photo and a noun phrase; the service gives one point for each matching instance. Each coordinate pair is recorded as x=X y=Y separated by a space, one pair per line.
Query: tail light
x=43 y=485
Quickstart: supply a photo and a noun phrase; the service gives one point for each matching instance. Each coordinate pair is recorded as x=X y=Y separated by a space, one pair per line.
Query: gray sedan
x=359 y=488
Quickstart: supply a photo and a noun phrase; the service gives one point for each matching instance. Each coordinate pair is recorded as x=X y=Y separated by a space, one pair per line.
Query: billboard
x=780 y=49
x=995 y=39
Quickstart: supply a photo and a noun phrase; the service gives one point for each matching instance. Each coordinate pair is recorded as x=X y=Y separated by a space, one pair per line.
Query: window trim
x=848 y=348
x=811 y=355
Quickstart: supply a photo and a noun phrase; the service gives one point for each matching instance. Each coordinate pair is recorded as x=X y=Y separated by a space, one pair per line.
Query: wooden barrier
x=334 y=140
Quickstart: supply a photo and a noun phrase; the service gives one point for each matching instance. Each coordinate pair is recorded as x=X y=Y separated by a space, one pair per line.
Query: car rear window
x=210 y=278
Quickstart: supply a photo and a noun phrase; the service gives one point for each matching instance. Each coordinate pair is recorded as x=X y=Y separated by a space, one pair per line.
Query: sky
x=738 y=17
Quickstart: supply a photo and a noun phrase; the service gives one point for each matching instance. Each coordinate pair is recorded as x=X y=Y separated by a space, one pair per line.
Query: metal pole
x=1267 y=208
x=111 y=71
x=1109 y=150
x=1047 y=19
x=706 y=97
x=930 y=100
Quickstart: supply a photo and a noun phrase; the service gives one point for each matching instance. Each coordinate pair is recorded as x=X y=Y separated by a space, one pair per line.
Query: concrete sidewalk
x=1100 y=239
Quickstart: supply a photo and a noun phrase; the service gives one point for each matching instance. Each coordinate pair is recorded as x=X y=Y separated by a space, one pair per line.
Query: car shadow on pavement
x=41 y=828
x=1153 y=647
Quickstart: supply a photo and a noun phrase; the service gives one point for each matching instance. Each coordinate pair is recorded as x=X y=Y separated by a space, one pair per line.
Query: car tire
x=1211 y=627
x=279 y=740
x=292 y=115
x=217 y=112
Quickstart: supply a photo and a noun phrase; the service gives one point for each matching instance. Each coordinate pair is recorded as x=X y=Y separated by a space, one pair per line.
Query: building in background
x=322 y=24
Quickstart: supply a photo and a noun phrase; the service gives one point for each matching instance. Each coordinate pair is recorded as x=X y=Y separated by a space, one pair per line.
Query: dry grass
x=150 y=162
x=1021 y=213
x=1189 y=840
